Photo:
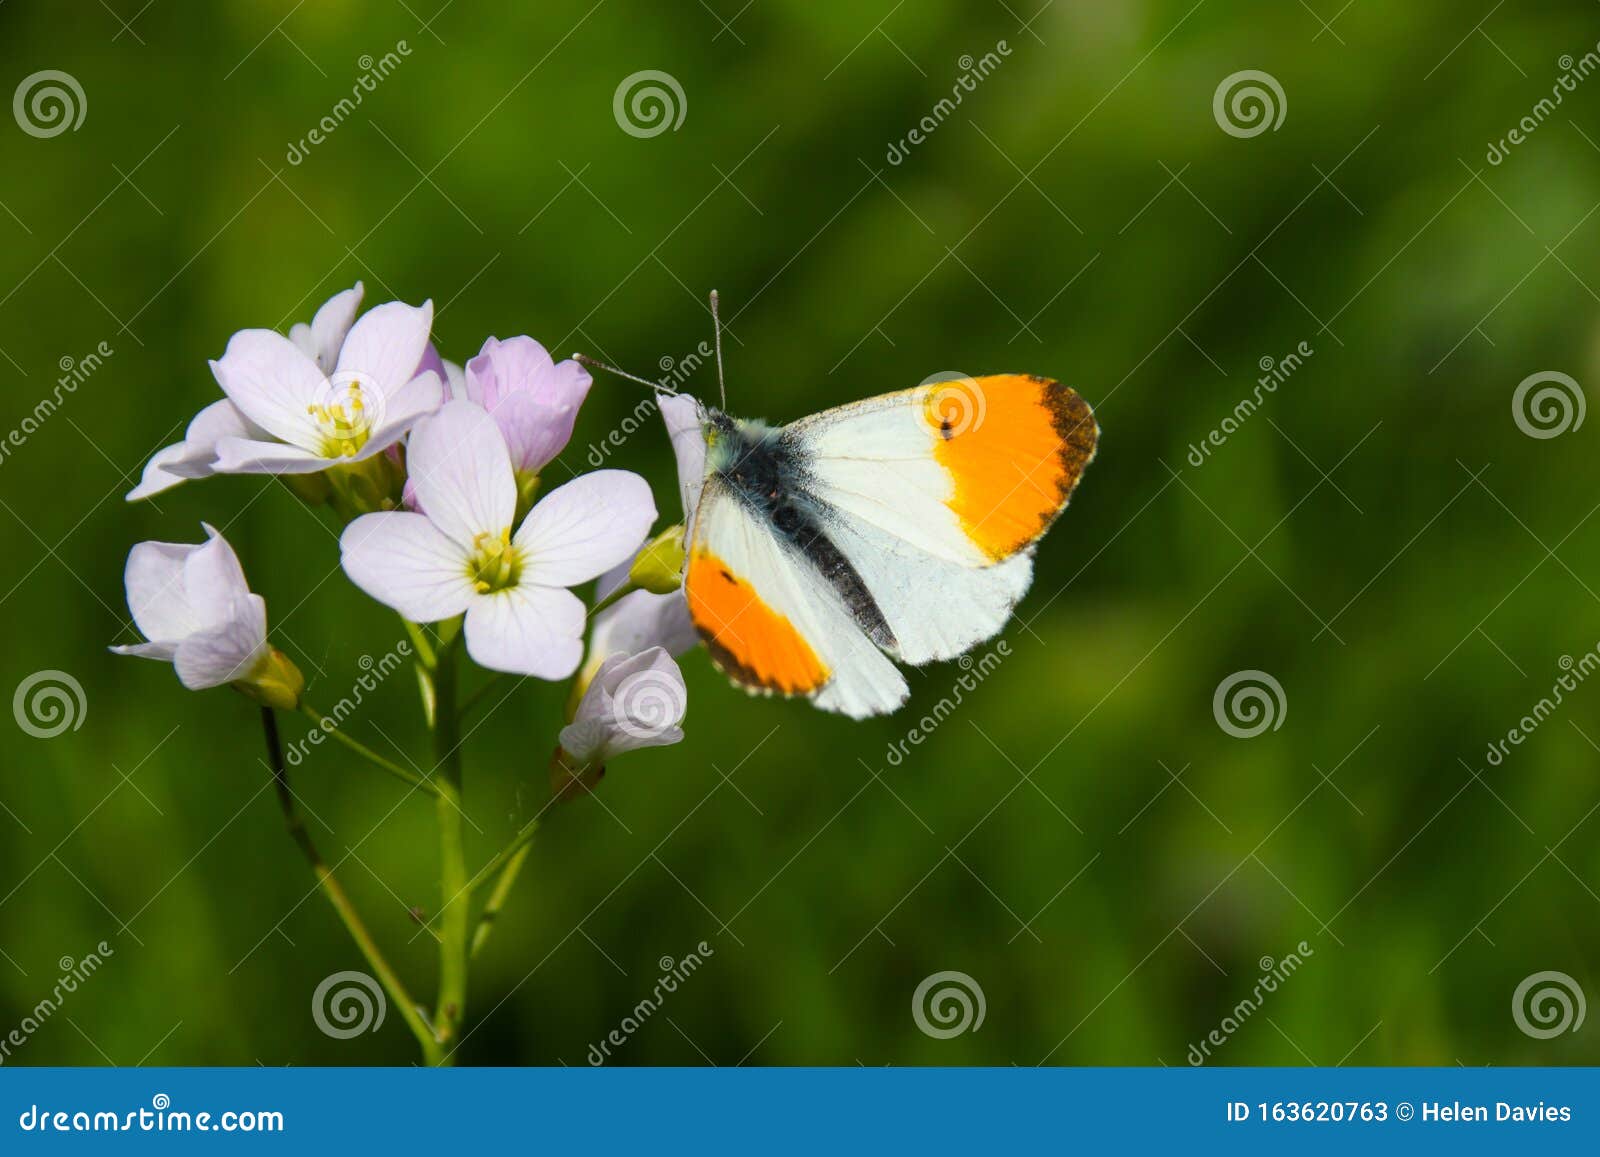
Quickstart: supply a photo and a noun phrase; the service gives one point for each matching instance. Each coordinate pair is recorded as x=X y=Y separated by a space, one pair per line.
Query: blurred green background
x=1080 y=837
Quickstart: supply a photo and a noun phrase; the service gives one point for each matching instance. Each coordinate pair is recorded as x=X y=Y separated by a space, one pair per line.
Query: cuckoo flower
x=194 y=606
x=195 y=456
x=533 y=399
x=633 y=701
x=656 y=614
x=464 y=554
x=314 y=420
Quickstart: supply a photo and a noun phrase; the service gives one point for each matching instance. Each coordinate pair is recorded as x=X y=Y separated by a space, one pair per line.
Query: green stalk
x=331 y=888
x=455 y=894
x=497 y=897
x=367 y=753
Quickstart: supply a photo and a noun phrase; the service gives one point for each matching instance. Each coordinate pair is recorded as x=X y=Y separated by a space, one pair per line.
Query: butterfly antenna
x=597 y=364
x=716 y=329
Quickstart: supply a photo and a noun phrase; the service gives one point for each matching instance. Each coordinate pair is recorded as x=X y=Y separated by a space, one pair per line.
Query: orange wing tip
x=750 y=642
x=1015 y=447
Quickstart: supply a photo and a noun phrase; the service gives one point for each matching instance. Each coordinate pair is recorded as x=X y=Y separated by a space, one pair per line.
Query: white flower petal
x=402 y=560
x=195 y=455
x=633 y=701
x=387 y=345
x=156 y=594
x=228 y=651
x=583 y=529
x=221 y=419
x=584 y=741
x=324 y=337
x=455 y=379
x=684 y=417
x=245 y=456
x=416 y=399
x=162 y=651
x=458 y=461
x=527 y=630
x=159 y=475
x=640 y=620
x=273 y=383
x=213 y=580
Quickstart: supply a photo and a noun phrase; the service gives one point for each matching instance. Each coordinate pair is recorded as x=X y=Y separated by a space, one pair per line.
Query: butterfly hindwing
x=771 y=622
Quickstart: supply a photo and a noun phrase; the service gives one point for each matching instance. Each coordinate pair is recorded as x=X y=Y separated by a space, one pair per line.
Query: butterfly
x=898 y=528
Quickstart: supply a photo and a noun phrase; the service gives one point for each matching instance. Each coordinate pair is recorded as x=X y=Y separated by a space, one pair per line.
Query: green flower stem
x=503 y=857
x=409 y=1010
x=454 y=913
x=616 y=596
x=419 y=642
x=367 y=753
x=497 y=897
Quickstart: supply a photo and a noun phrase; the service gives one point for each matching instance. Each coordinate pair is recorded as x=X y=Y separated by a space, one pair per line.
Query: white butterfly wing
x=771 y=622
x=936 y=496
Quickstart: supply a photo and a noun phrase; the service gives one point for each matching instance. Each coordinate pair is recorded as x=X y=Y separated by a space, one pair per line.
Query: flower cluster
x=436 y=472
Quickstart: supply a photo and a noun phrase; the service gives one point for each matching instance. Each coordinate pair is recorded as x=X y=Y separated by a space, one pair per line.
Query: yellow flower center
x=495 y=564
x=343 y=424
